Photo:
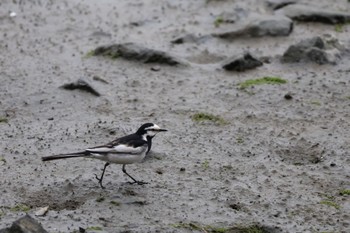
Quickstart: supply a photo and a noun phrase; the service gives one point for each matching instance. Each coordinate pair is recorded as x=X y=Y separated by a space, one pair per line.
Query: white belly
x=120 y=158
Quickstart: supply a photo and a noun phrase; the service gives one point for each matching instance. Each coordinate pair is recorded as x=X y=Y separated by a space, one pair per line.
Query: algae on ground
x=339 y=28
x=196 y=227
x=208 y=228
x=205 y=164
x=208 y=117
x=94 y=228
x=2 y=159
x=344 y=192
x=219 y=20
x=20 y=208
x=261 y=81
x=89 y=54
x=115 y=203
x=3 y=120
x=330 y=203
x=250 y=229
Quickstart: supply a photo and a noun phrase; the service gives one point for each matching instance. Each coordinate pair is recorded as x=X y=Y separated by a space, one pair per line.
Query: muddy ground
x=276 y=162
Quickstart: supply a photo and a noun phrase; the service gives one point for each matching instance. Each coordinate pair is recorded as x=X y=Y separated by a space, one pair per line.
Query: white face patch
x=152 y=130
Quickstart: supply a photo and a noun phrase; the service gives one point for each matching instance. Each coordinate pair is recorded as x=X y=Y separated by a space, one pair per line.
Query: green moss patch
x=115 y=203
x=250 y=229
x=89 y=54
x=198 y=117
x=205 y=164
x=330 y=203
x=94 y=228
x=2 y=159
x=197 y=227
x=207 y=228
x=339 y=28
x=219 y=20
x=20 y=208
x=261 y=81
x=3 y=120
x=344 y=192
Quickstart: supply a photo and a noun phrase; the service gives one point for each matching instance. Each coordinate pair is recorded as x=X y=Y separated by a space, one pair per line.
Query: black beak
x=162 y=130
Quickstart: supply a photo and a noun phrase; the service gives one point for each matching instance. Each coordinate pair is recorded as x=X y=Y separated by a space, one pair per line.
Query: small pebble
x=288 y=96
x=155 y=68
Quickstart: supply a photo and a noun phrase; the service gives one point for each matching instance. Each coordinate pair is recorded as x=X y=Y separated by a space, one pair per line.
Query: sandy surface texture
x=273 y=156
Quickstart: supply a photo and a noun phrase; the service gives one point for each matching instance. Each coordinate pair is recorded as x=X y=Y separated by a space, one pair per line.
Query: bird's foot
x=99 y=181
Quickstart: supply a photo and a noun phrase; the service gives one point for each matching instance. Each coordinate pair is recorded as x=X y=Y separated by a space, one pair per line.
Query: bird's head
x=149 y=130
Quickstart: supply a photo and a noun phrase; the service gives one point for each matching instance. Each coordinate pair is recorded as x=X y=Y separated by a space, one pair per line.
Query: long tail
x=64 y=156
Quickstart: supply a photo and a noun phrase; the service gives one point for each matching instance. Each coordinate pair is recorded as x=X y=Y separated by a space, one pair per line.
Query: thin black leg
x=101 y=178
x=135 y=181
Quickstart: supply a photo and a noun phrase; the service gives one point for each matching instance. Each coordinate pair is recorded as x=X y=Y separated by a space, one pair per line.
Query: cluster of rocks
x=280 y=23
x=319 y=49
x=132 y=51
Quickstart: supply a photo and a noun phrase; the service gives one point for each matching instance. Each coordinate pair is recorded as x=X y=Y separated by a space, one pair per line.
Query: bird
x=125 y=150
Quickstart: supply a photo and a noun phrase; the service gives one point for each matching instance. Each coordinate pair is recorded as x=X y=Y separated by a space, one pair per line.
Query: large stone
x=132 y=51
x=260 y=26
x=25 y=224
x=277 y=4
x=241 y=63
x=309 y=13
x=316 y=49
x=81 y=85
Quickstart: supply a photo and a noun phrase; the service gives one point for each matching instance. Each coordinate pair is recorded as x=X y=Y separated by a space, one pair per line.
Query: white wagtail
x=125 y=150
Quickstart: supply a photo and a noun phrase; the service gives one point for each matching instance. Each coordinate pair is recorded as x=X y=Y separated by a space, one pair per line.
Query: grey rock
x=190 y=38
x=277 y=4
x=241 y=63
x=25 y=224
x=316 y=49
x=309 y=13
x=81 y=85
x=234 y=16
x=261 y=26
x=132 y=51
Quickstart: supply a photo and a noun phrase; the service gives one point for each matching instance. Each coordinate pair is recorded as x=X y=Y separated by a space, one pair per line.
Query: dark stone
x=241 y=63
x=288 y=96
x=277 y=4
x=25 y=224
x=318 y=55
x=81 y=85
x=235 y=206
x=315 y=50
x=131 y=51
x=190 y=38
x=261 y=26
x=309 y=13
